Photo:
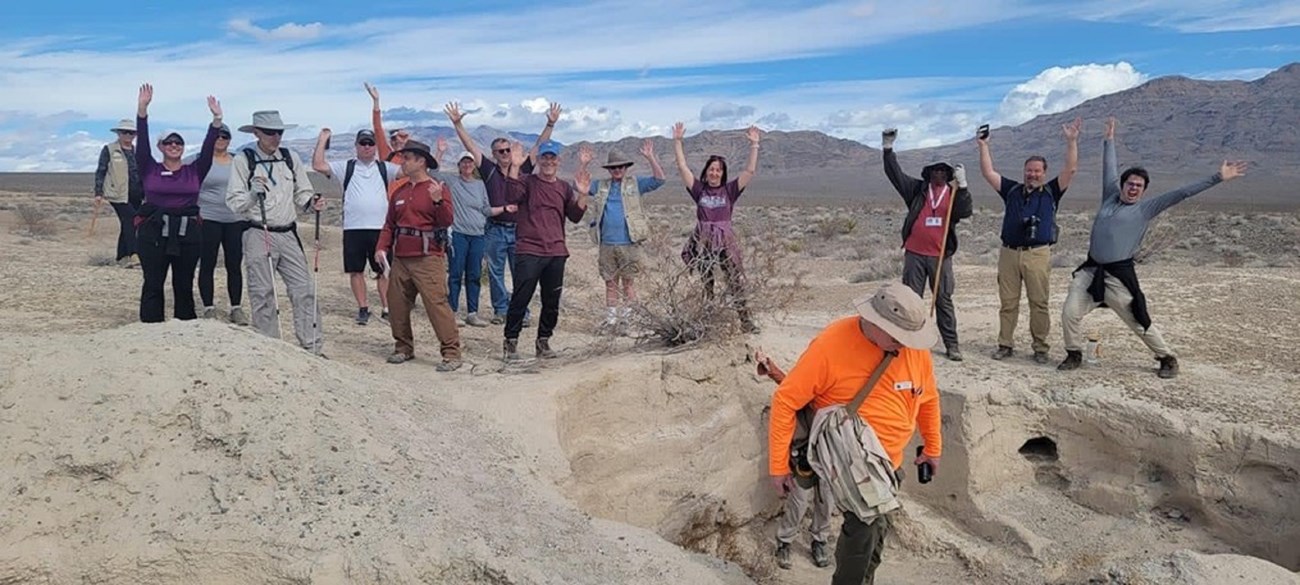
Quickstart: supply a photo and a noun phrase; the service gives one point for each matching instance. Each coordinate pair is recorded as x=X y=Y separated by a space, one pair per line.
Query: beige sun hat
x=267 y=120
x=124 y=125
x=901 y=313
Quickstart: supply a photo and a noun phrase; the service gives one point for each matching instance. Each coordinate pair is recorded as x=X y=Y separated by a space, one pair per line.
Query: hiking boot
x=383 y=315
x=363 y=316
x=238 y=316
x=473 y=320
x=1003 y=352
x=819 y=556
x=399 y=358
x=448 y=365
x=954 y=354
x=783 y=555
x=544 y=350
x=510 y=350
x=1041 y=357
x=498 y=318
x=1073 y=359
x=1168 y=367
x=209 y=312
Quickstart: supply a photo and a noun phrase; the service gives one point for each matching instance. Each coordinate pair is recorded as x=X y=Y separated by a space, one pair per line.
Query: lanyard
x=935 y=203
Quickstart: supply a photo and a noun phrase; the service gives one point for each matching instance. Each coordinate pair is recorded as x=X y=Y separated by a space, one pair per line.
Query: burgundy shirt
x=714 y=204
x=927 y=231
x=543 y=205
x=412 y=207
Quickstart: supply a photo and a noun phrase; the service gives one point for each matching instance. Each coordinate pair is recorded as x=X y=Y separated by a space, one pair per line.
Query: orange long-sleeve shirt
x=832 y=370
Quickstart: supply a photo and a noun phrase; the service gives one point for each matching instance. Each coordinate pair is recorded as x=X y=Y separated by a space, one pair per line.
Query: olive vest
x=637 y=229
x=117 y=185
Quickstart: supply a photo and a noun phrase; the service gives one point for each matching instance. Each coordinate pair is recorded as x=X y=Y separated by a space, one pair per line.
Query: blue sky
x=933 y=68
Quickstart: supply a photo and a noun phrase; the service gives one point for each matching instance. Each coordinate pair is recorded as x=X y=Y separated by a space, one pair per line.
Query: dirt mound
x=201 y=453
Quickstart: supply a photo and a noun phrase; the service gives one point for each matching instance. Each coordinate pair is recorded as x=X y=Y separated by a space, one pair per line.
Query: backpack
x=253 y=161
x=352 y=167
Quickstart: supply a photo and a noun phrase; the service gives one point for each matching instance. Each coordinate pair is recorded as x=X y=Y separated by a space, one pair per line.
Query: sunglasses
x=270 y=132
x=172 y=142
x=223 y=136
x=126 y=132
x=366 y=142
x=502 y=151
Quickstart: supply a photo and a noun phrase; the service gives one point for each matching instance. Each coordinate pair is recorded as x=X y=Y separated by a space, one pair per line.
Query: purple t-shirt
x=714 y=204
x=173 y=190
x=494 y=179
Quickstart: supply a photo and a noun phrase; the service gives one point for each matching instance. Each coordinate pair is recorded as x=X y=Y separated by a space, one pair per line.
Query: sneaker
x=399 y=358
x=1168 y=367
x=363 y=316
x=498 y=318
x=1073 y=359
x=383 y=315
x=448 y=365
x=783 y=555
x=473 y=320
x=1041 y=357
x=954 y=353
x=1003 y=352
x=510 y=351
x=238 y=316
x=544 y=350
x=819 y=556
x=209 y=312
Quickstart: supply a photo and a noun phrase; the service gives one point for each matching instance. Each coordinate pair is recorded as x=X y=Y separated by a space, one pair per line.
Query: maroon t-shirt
x=714 y=204
x=543 y=206
x=927 y=232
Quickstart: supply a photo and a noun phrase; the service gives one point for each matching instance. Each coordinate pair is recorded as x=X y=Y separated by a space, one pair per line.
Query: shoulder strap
x=252 y=165
x=347 y=175
x=288 y=161
x=383 y=174
x=871 y=382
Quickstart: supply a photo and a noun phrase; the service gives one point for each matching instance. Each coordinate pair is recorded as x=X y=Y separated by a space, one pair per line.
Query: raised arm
x=963 y=204
x=582 y=178
x=1071 y=132
x=1110 y=188
x=203 y=163
x=318 y=162
x=648 y=151
x=454 y=114
x=688 y=179
x=143 y=148
x=751 y=165
x=986 y=165
x=383 y=149
x=1228 y=171
x=906 y=185
x=552 y=116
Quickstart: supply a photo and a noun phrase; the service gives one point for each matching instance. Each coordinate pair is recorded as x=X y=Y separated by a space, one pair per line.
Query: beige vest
x=117 y=185
x=637 y=229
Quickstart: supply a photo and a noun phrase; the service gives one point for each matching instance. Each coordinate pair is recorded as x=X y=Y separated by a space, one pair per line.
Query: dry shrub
x=674 y=307
x=837 y=225
x=34 y=221
x=1161 y=237
x=101 y=259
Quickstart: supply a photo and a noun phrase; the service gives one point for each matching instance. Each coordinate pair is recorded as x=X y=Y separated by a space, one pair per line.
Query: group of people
x=880 y=358
x=419 y=231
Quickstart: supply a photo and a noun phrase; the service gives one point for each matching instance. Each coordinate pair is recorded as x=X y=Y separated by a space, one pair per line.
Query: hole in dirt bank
x=1040 y=450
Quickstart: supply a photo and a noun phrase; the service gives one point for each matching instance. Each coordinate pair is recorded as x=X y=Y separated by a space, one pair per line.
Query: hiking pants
x=288 y=259
x=796 y=503
x=155 y=262
x=918 y=275
x=427 y=277
x=531 y=271
x=857 y=554
x=126 y=236
x=1078 y=303
x=467 y=268
x=1032 y=268
x=228 y=238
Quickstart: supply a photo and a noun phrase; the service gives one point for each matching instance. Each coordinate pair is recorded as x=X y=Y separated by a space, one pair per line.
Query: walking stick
x=315 y=273
x=94 y=216
x=943 y=245
x=270 y=265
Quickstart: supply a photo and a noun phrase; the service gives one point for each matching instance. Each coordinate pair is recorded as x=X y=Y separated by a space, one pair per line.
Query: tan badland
x=199 y=452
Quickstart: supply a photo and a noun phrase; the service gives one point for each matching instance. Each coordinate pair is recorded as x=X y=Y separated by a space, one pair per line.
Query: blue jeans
x=500 y=240
x=466 y=265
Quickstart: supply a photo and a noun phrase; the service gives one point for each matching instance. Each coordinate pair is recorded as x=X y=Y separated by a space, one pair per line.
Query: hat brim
x=429 y=161
x=925 y=172
x=248 y=128
x=622 y=165
x=923 y=338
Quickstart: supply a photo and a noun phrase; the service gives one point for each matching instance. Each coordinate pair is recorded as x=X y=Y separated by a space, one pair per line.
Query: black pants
x=227 y=237
x=155 y=262
x=918 y=275
x=857 y=554
x=126 y=235
x=528 y=272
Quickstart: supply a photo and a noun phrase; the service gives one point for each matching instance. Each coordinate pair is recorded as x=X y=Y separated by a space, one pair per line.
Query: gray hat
x=941 y=165
x=616 y=160
x=267 y=120
x=901 y=313
x=125 y=125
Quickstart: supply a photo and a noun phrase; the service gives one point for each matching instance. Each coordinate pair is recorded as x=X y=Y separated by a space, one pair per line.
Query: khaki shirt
x=287 y=192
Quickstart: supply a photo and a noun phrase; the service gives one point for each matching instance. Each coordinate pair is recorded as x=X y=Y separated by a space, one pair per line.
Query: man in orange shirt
x=832 y=370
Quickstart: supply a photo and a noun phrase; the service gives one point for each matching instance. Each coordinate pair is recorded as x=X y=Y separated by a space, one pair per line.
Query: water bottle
x=924 y=471
x=1092 y=352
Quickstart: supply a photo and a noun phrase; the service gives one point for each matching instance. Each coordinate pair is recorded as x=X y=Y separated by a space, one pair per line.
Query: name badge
x=400 y=202
x=903 y=386
x=166 y=173
x=934 y=222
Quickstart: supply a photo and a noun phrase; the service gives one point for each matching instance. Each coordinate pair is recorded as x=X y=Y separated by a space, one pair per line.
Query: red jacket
x=413 y=208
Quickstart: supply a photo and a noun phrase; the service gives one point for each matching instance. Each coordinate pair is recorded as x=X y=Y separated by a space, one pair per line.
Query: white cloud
x=1191 y=16
x=1061 y=88
x=286 y=32
x=37 y=143
x=725 y=114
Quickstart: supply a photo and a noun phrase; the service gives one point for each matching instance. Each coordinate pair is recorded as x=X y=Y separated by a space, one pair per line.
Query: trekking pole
x=270 y=264
x=943 y=246
x=315 y=272
x=94 y=216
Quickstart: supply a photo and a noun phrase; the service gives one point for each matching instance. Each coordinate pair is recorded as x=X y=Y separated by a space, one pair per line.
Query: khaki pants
x=1078 y=303
x=287 y=259
x=427 y=277
x=796 y=504
x=1031 y=267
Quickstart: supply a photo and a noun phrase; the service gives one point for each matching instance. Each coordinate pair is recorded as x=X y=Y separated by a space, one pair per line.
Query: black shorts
x=359 y=250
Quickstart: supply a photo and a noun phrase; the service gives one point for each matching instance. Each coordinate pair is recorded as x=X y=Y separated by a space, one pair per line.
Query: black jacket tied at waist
x=1126 y=272
x=178 y=224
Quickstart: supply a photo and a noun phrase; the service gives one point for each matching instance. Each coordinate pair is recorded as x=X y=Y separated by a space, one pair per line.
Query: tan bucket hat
x=901 y=313
x=267 y=120
x=125 y=125
x=616 y=160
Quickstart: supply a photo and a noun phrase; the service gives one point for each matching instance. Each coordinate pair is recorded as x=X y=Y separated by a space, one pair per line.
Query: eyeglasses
x=270 y=132
x=172 y=142
x=1132 y=184
x=366 y=143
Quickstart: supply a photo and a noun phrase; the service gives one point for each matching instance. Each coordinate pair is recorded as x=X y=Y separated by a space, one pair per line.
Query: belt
x=503 y=223
x=438 y=237
x=278 y=229
x=1024 y=248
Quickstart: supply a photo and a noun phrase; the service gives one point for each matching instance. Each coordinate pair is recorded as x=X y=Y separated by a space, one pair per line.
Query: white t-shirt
x=365 y=204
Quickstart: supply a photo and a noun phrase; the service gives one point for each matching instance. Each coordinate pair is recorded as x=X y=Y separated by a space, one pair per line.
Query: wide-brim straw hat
x=267 y=120
x=124 y=125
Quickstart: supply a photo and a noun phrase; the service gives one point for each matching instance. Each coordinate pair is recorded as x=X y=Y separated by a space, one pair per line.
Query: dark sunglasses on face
x=366 y=142
x=172 y=142
x=502 y=150
x=126 y=132
x=270 y=132
x=223 y=136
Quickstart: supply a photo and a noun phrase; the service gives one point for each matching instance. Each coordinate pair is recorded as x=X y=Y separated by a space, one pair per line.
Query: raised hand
x=888 y=137
x=582 y=179
x=648 y=149
x=146 y=96
x=585 y=155
x=373 y=91
x=1071 y=130
x=453 y=112
x=1232 y=169
x=679 y=131
x=753 y=134
x=325 y=134
x=518 y=154
x=553 y=114
x=441 y=147
x=1110 y=128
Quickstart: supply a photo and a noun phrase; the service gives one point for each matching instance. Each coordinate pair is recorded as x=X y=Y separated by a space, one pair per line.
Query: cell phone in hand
x=891 y=133
x=983 y=132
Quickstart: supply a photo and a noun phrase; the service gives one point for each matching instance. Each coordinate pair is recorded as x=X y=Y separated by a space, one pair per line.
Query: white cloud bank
x=1060 y=88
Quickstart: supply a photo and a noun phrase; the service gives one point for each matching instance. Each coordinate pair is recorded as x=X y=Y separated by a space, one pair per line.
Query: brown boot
x=1168 y=367
x=544 y=350
x=510 y=350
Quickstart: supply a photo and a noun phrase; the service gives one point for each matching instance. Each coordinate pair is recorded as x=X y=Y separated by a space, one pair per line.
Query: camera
x=1030 y=224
